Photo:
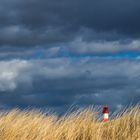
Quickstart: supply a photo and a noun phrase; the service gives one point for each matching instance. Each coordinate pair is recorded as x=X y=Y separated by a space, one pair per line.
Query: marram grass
x=80 y=125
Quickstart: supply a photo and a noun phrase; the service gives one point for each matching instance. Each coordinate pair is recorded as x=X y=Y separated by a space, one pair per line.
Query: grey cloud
x=114 y=15
x=32 y=23
x=17 y=36
x=79 y=46
x=60 y=83
x=45 y=32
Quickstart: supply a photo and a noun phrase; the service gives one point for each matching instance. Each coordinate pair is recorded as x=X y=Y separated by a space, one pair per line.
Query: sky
x=58 y=54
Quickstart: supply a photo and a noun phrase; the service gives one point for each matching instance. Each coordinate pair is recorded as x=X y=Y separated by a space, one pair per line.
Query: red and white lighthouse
x=105 y=113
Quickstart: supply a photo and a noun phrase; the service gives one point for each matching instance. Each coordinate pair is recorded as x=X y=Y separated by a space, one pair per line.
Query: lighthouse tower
x=105 y=113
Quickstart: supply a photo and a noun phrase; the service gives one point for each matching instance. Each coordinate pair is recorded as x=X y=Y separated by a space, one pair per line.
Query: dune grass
x=79 y=125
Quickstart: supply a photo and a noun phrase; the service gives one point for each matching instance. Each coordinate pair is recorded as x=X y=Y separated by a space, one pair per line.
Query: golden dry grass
x=81 y=125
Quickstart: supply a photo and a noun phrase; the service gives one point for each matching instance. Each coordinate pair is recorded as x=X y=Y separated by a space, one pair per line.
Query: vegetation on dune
x=80 y=125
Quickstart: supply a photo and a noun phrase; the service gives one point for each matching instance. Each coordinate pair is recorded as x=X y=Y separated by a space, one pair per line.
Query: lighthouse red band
x=105 y=113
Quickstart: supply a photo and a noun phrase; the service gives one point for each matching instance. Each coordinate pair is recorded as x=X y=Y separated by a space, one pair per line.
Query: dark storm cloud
x=34 y=22
x=60 y=83
x=101 y=15
x=37 y=36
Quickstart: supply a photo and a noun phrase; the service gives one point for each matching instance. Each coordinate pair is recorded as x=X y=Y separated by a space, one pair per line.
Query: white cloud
x=102 y=47
x=10 y=72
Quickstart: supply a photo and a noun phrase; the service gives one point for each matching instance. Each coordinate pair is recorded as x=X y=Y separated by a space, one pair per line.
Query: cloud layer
x=103 y=47
x=33 y=23
x=60 y=83
x=54 y=54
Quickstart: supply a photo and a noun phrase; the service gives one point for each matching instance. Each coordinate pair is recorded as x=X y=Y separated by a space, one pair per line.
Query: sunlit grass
x=80 y=125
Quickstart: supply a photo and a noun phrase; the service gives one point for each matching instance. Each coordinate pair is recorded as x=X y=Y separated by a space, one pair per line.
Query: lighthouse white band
x=106 y=116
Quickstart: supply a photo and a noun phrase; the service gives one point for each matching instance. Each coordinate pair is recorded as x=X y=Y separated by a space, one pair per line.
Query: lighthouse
x=105 y=113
